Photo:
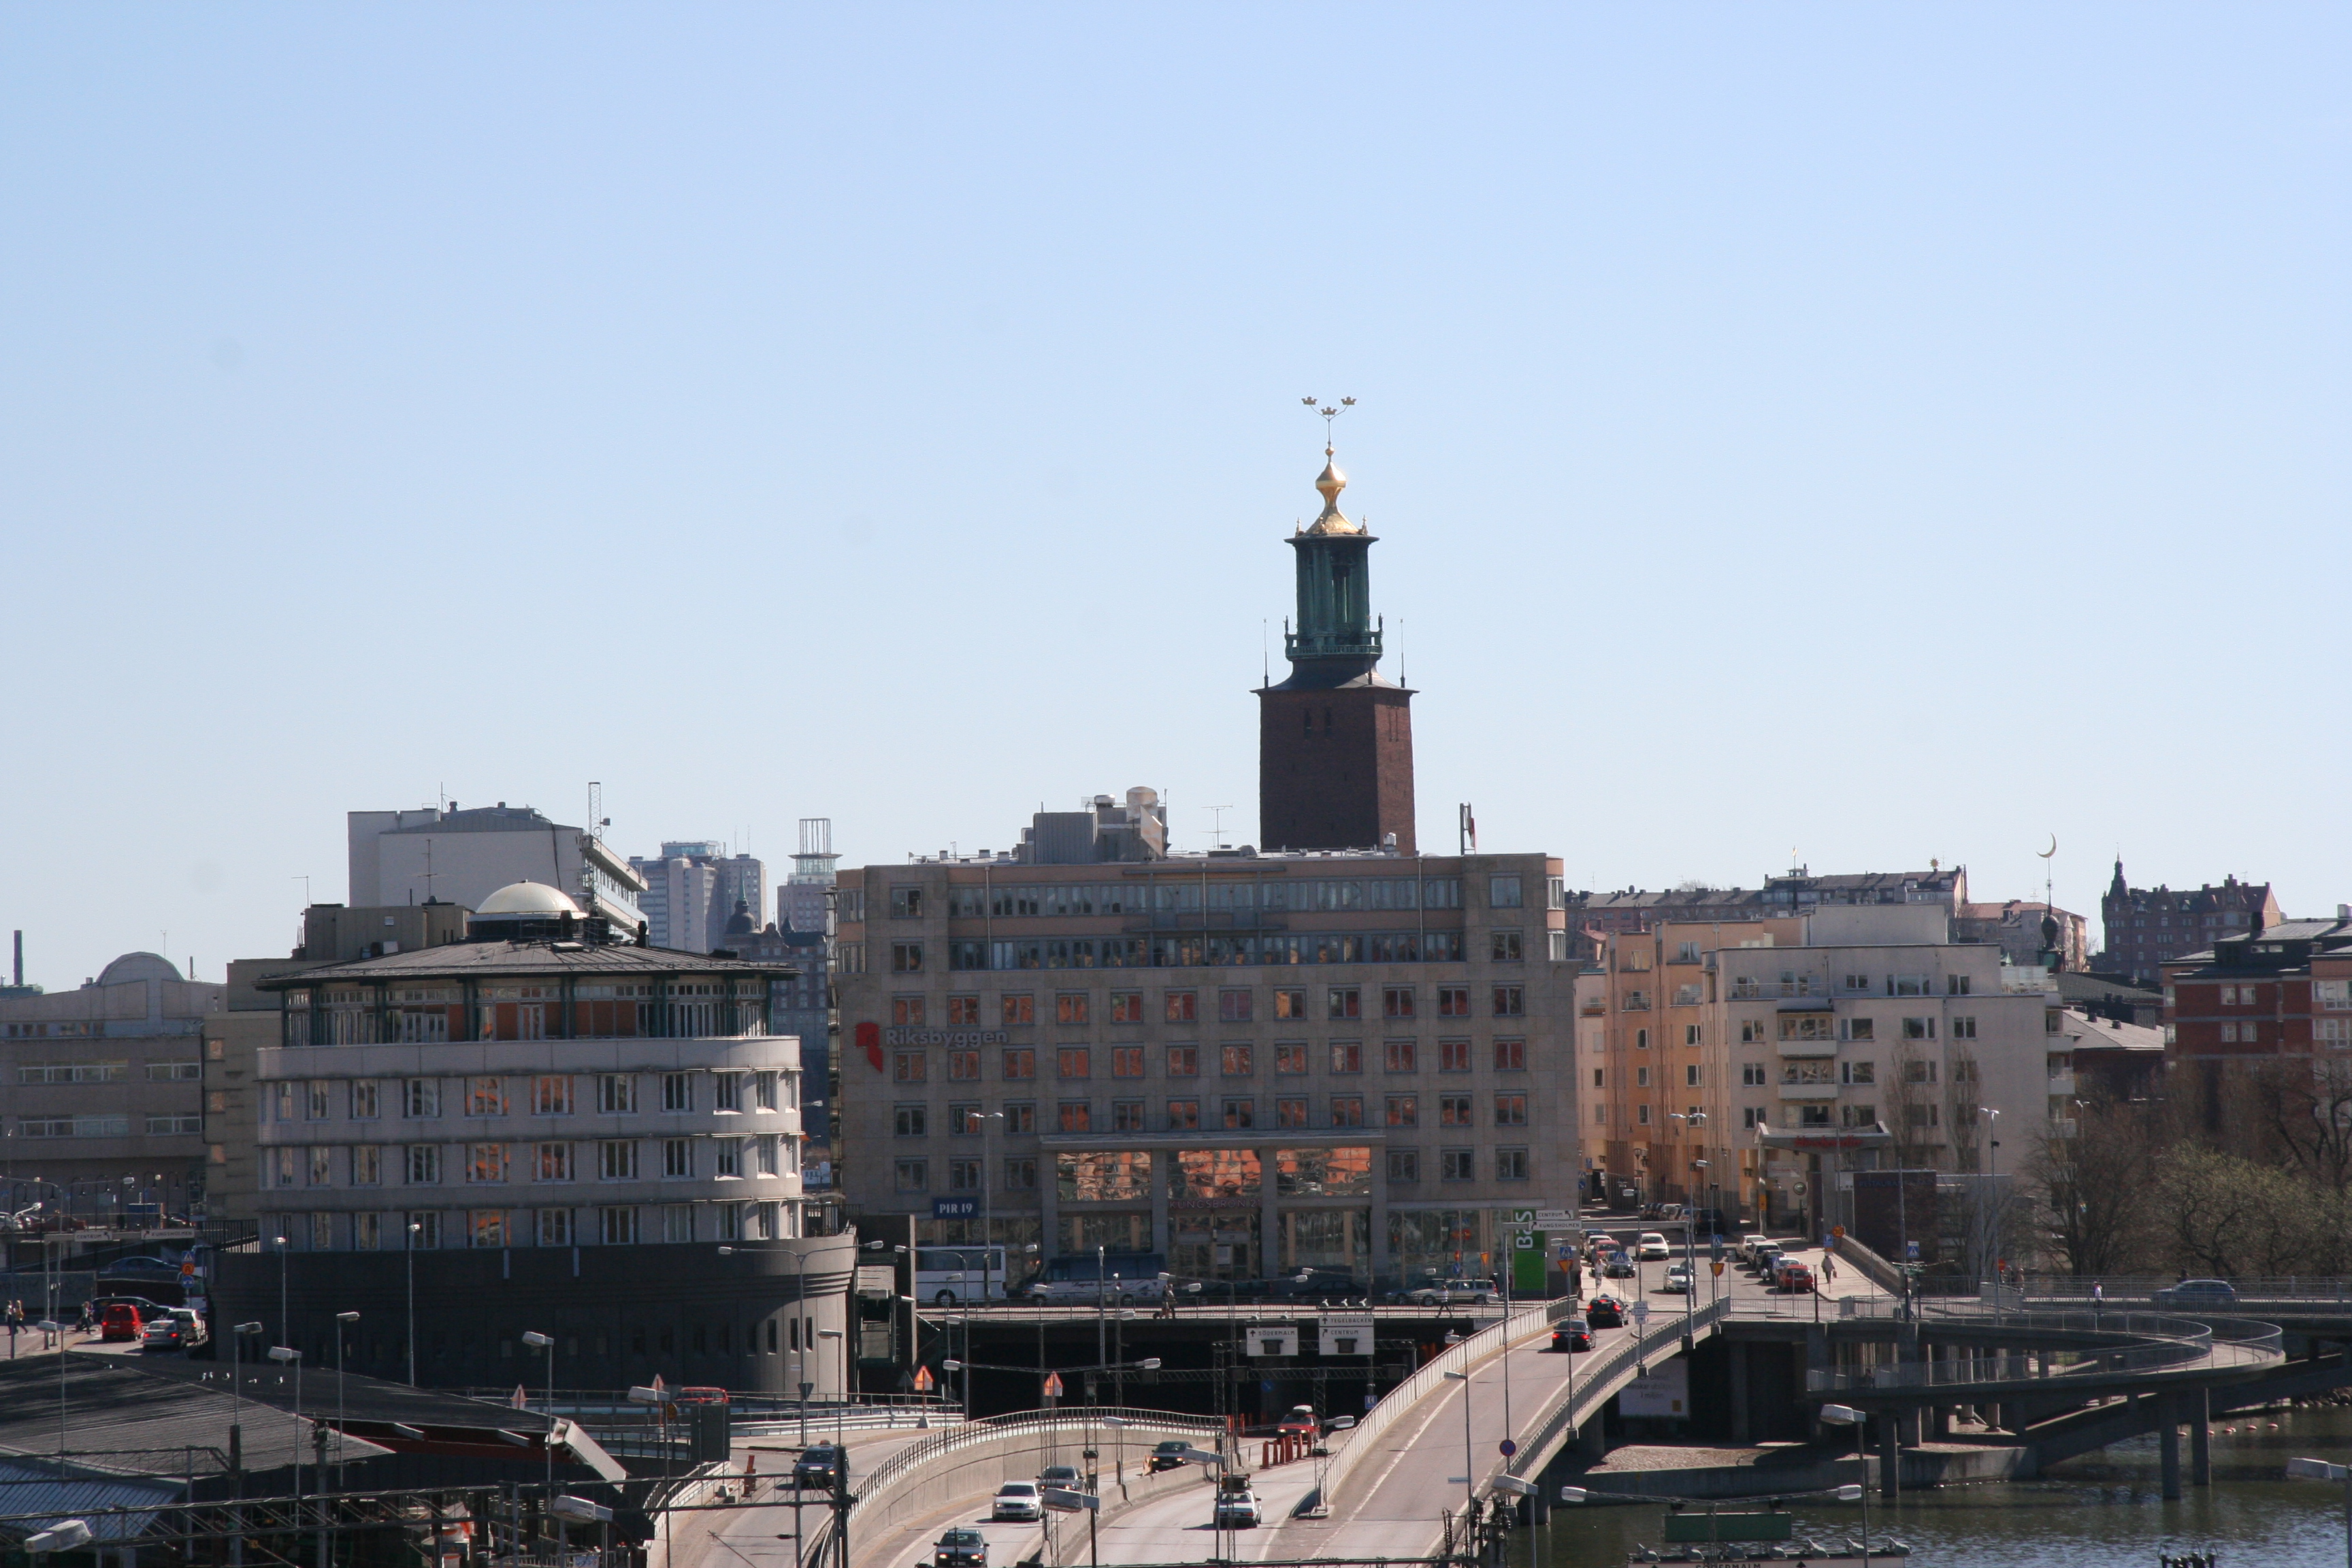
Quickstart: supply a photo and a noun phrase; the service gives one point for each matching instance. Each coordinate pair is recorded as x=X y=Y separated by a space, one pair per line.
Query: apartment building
x=2147 y=928
x=2285 y=990
x=446 y=855
x=1249 y=1062
x=1743 y=1065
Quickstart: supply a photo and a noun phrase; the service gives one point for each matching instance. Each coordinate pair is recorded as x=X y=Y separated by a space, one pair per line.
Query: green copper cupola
x=1335 y=639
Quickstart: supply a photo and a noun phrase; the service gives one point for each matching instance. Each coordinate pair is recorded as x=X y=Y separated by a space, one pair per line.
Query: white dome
x=137 y=966
x=525 y=900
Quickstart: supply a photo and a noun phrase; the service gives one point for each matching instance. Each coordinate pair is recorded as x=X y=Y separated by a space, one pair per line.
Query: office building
x=801 y=901
x=552 y=1129
x=444 y=855
x=2146 y=928
x=101 y=1092
x=692 y=889
x=1338 y=1053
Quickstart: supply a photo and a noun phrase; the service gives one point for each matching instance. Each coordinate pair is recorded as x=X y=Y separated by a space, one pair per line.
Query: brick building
x=2284 y=990
x=2148 y=927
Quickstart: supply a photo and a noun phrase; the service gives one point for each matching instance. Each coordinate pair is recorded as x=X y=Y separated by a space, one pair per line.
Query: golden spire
x=1331 y=481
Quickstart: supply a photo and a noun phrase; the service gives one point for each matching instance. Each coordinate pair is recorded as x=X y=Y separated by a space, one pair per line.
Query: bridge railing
x=2172 y=1343
x=2252 y=1294
x=1588 y=1385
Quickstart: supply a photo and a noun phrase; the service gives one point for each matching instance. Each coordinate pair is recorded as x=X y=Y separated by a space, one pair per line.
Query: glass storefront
x=1217 y=1174
x=1441 y=1243
x=1338 y=1240
x=1106 y=1176
x=1213 y=1243
x=1323 y=1173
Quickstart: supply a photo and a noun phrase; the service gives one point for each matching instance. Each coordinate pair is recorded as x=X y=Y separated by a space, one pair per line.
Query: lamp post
x=540 y=1342
x=282 y=1354
x=415 y=1228
x=1469 y=1473
x=2321 y=1471
x=1847 y=1415
x=285 y=1329
x=341 y=1321
x=842 y=1388
x=1993 y=1217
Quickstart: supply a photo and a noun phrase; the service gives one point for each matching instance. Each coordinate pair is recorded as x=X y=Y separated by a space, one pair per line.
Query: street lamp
x=1469 y=1474
x=415 y=1228
x=540 y=1342
x=282 y=1354
x=1847 y=1415
x=285 y=1327
x=842 y=1387
x=342 y=1319
x=1993 y=1220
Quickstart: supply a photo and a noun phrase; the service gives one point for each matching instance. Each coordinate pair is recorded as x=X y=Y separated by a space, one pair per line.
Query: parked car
x=121 y=1321
x=1617 y=1264
x=1317 y=1284
x=1670 y=1211
x=1063 y=1476
x=1453 y=1293
x=178 y=1329
x=1792 y=1276
x=1650 y=1248
x=1677 y=1281
x=1237 y=1507
x=1021 y=1500
x=1605 y=1311
x=1766 y=1256
x=2198 y=1293
x=1707 y=1222
x=818 y=1466
x=1169 y=1456
x=1749 y=1246
x=1572 y=1336
x=961 y=1549
x=1597 y=1238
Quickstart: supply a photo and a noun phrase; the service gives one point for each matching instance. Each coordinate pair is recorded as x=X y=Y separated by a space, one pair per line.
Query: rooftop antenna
x=1217 y=824
x=1264 y=652
x=306 y=880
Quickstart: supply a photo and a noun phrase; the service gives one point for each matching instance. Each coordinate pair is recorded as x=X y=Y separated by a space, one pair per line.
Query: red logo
x=869 y=1039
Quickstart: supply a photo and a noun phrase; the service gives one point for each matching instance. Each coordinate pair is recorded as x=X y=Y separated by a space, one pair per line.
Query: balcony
x=1809 y=1091
x=1794 y=1049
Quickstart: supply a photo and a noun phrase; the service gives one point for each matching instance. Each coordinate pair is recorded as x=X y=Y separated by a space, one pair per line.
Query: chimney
x=20 y=958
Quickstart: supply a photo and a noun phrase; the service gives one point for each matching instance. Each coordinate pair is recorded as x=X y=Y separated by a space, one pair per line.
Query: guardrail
x=1586 y=1381
x=2179 y=1344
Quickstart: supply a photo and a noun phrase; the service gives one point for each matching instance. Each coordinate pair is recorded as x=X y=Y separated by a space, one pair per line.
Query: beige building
x=100 y=1103
x=1749 y=1066
x=1246 y=1062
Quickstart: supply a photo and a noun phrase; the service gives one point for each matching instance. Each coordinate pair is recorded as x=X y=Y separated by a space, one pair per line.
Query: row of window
x=1019 y=1174
x=1233 y=1005
x=105 y=1072
x=913 y=1119
x=546 y=1094
x=1199 y=950
x=1189 y=895
x=1290 y=1059
x=363 y=1022
x=1798 y=983
x=611 y=1159
x=105 y=1126
x=427 y=1230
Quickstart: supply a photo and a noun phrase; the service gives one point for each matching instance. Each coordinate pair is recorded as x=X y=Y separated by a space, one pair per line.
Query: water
x=2104 y=1510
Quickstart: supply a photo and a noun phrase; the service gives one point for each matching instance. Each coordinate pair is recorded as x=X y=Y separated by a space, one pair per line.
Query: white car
x=1236 y=1506
x=1677 y=1281
x=1650 y=1248
x=1749 y=1246
x=1017 y=1499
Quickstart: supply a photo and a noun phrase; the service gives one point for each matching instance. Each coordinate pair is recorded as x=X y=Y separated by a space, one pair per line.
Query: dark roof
x=118 y=1405
x=364 y=1399
x=463 y=959
x=2075 y=987
x=487 y=820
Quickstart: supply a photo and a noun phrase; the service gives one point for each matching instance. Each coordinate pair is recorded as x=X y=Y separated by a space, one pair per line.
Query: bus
x=945 y=1275
x=1121 y=1277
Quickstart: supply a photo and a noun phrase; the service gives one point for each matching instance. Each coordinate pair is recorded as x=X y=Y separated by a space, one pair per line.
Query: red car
x=121 y=1321
x=1794 y=1276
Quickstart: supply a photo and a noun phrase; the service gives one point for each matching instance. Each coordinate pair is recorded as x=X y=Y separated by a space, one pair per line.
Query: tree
x=2096 y=1188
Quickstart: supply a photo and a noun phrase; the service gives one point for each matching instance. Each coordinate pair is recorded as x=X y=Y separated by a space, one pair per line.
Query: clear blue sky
x=1880 y=432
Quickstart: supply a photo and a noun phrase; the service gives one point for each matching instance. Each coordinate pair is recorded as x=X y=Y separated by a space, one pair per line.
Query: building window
x=1347 y=1111
x=1126 y=1007
x=1180 y=1006
x=1642 y=1115
x=616 y=1161
x=1396 y=1002
x=616 y=1093
x=1503 y=892
x=1755 y=1031
x=1343 y=1002
x=1071 y=1008
x=1289 y=1057
x=1126 y=1061
x=1453 y=1055
x=363 y=1099
x=1184 y=1115
x=552 y=1162
x=1918 y=1072
x=421 y=1098
x=1405 y=1165
x=1956 y=985
x=1453 y=1001
x=1400 y=1056
x=1289 y=1110
x=1752 y=1075
x=1510 y=1164
x=1919 y=1028
x=1233 y=1006
x=1457 y=1166
x=1453 y=1110
x=677 y=1157
x=367 y=1165
x=1691 y=1073
x=423 y=1230
x=1753 y=1116
x=1126 y=1116
x=1641 y=1077
x=315 y=1100
x=1240 y=1061
x=1510 y=1111
x=963 y=1176
x=1404 y=1109
x=1077 y=1115
x=963 y=1066
x=906 y=1066
x=1510 y=1055
x=486 y=1162
x=906 y=958
x=1074 y=1061
x=963 y=1120
x=1690 y=1033
x=322 y=1161
x=910 y=1120
x=1290 y=1004
x=906 y=903
x=1018 y=1007
x=1020 y=1061
x=1241 y=1113
x=913 y=1176
x=1184 y=1061
x=1505 y=946
x=1347 y=1056
x=727 y=1092
x=424 y=1164
x=1510 y=1002
x=908 y=1011
x=678 y=1091
x=1859 y=1072
x=1964 y=1028
x=1021 y=1116
x=963 y=1012
x=1021 y=1173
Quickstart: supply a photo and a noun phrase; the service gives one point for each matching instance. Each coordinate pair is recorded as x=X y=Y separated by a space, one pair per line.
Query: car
x=1317 y=1284
x=1237 y=1507
x=1169 y=1455
x=1453 y=1293
x=1063 y=1476
x=818 y=1466
x=1677 y=1281
x=1747 y=1245
x=1617 y=1264
x=1792 y=1276
x=1605 y=1311
x=1650 y=1248
x=961 y=1549
x=1571 y=1337
x=1670 y=1211
x=178 y=1329
x=2198 y=1293
x=121 y=1321
x=1301 y=1419
x=1022 y=1500
x=1767 y=1256
x=1603 y=1237
x=1709 y=1222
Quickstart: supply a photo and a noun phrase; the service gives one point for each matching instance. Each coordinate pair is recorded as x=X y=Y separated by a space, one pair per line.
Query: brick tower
x=1335 y=741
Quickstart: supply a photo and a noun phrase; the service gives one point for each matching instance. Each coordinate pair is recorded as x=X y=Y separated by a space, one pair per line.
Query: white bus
x=945 y=1275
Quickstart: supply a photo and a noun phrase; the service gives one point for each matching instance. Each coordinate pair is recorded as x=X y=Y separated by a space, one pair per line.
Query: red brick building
x=2285 y=990
x=2148 y=927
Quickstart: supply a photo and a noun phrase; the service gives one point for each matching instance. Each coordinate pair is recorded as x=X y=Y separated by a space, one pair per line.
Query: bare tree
x=2096 y=1188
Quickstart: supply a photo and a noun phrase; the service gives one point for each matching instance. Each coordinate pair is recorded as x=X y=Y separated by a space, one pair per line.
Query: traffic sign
x=923 y=1380
x=1554 y=1219
x=1053 y=1385
x=1838 y=1231
x=1508 y=1447
x=1716 y=1267
x=1640 y=1311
